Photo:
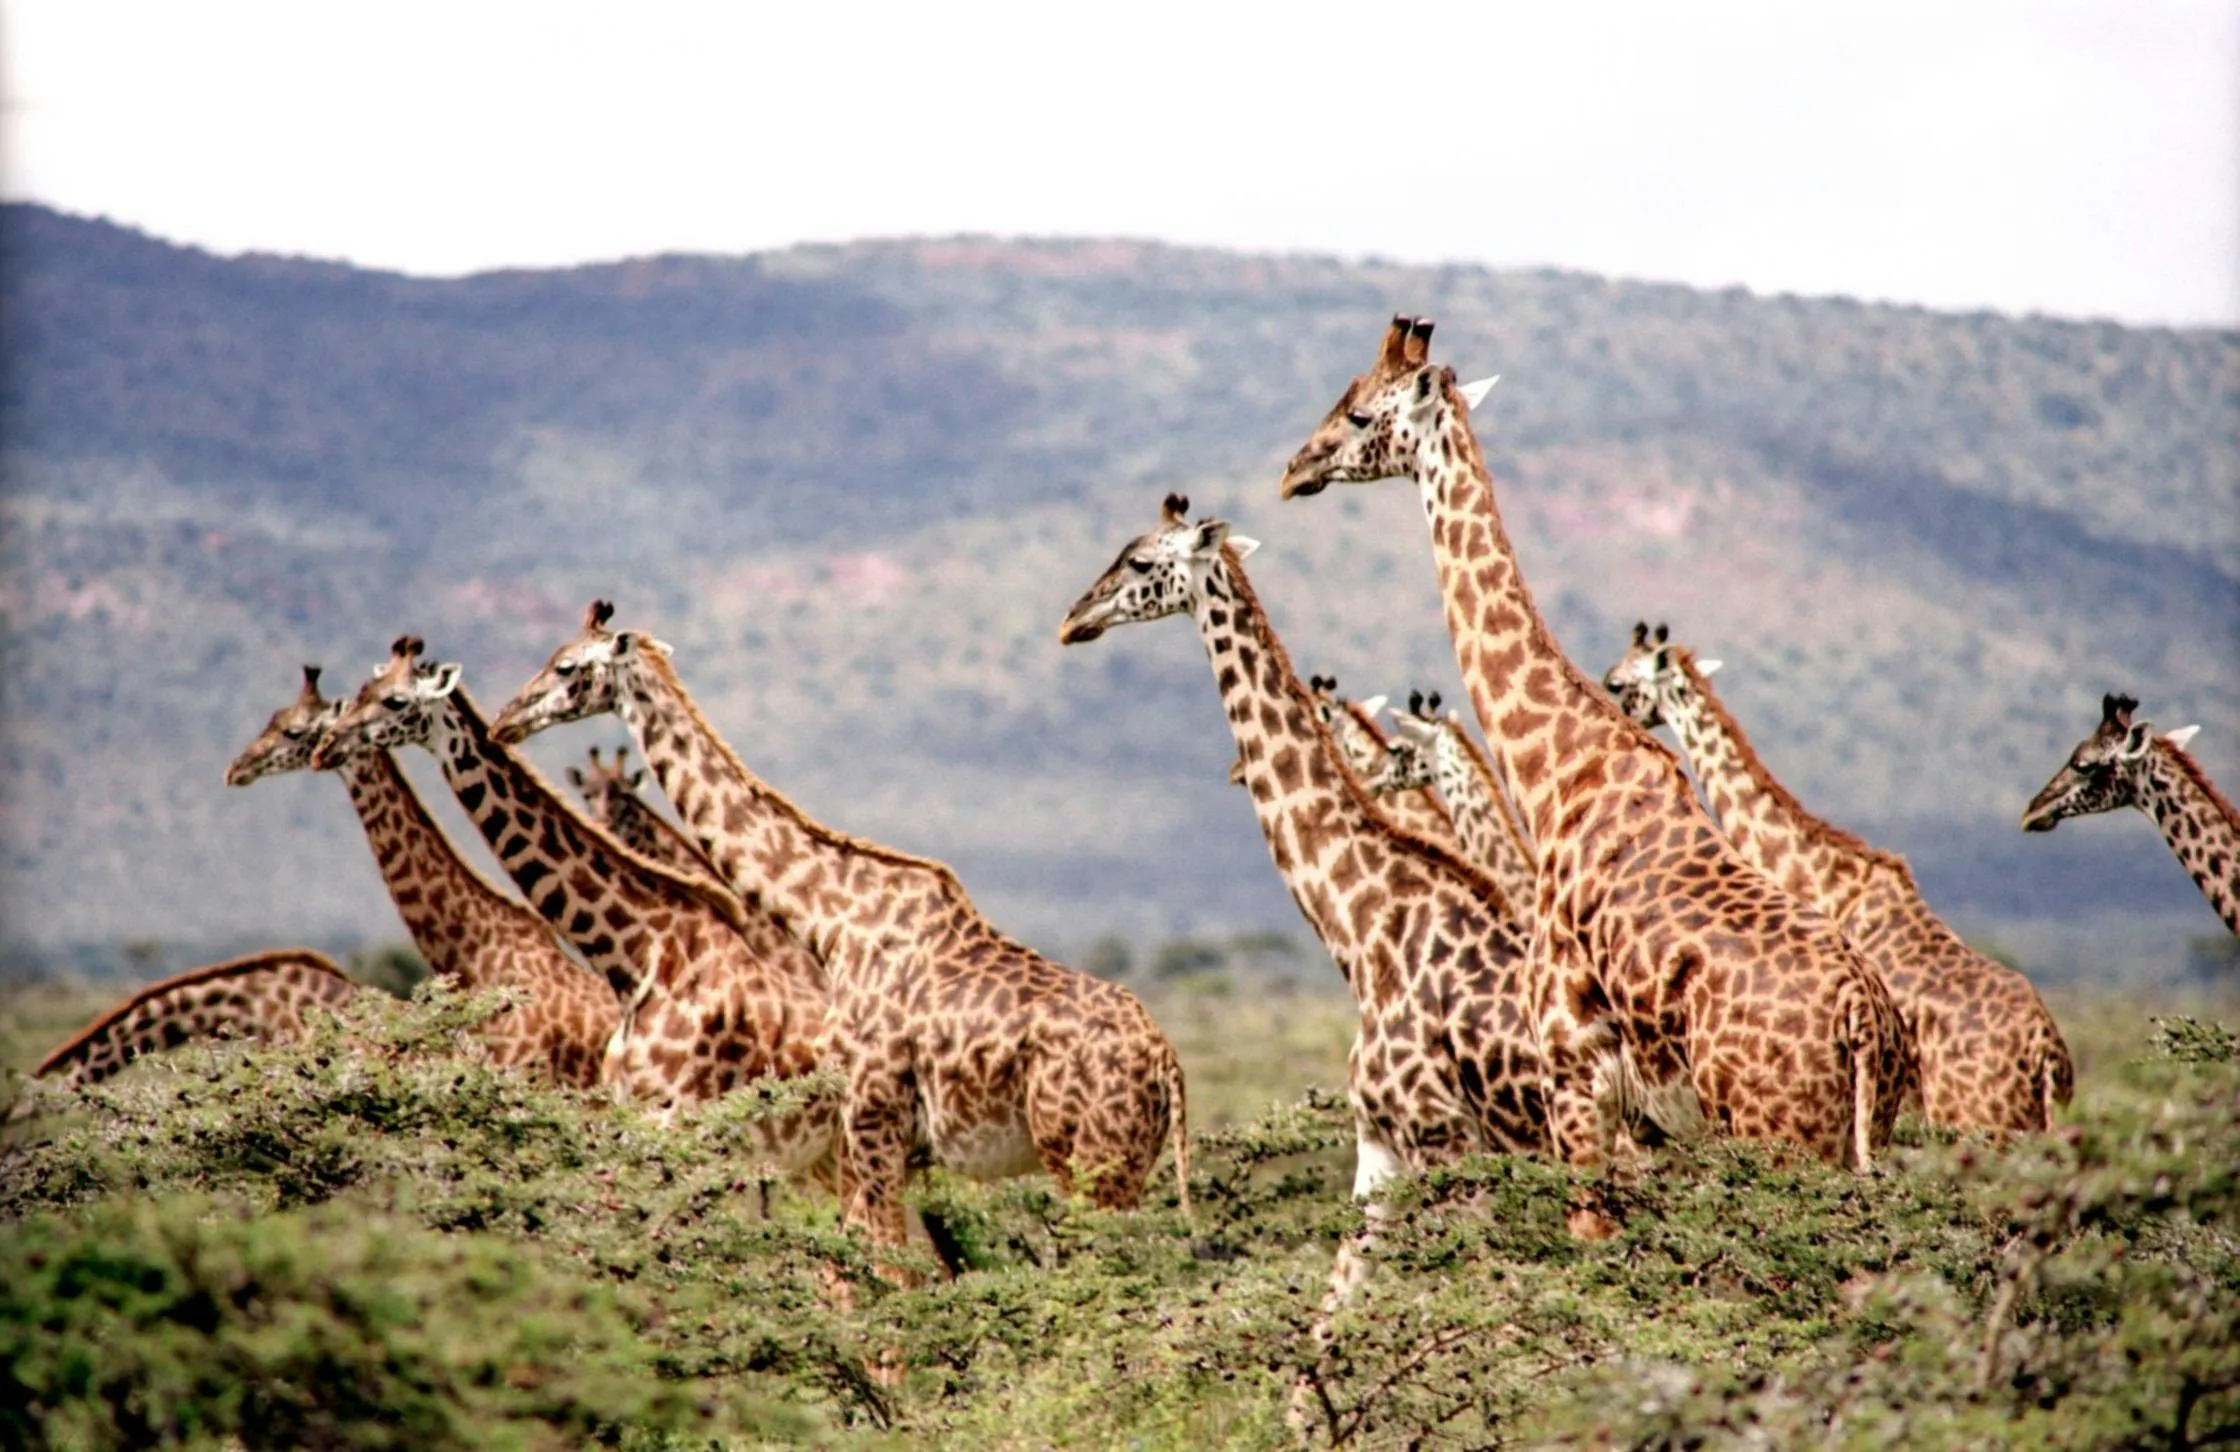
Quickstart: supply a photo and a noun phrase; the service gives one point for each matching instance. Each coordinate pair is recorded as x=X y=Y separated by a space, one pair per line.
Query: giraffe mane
x=831 y=837
x=1248 y=599
x=2200 y=779
x=317 y=962
x=725 y=902
x=1816 y=828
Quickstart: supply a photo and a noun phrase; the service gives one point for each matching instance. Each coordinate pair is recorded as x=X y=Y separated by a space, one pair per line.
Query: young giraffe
x=1363 y=749
x=718 y=997
x=610 y=796
x=1444 y=1063
x=2124 y=764
x=1651 y=932
x=951 y=1038
x=562 y=1018
x=1991 y=1056
x=1430 y=751
x=263 y=996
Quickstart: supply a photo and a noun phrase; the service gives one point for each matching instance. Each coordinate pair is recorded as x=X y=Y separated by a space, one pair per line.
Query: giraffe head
x=289 y=738
x=393 y=708
x=584 y=678
x=1651 y=678
x=1157 y=575
x=604 y=785
x=1412 y=755
x=2105 y=770
x=1372 y=431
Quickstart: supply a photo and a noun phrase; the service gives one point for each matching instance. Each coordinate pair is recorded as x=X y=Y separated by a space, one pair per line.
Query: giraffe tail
x=2056 y=1072
x=1178 y=1127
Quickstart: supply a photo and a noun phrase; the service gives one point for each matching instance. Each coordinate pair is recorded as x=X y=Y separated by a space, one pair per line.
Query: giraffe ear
x=2136 y=741
x=440 y=681
x=2181 y=736
x=1709 y=667
x=1374 y=705
x=1474 y=392
x=575 y=777
x=635 y=779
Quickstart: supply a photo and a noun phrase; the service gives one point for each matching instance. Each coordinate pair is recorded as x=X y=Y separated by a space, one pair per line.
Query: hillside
x=857 y=486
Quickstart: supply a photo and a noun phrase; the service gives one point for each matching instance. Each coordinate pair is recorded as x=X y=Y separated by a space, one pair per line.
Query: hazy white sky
x=2051 y=155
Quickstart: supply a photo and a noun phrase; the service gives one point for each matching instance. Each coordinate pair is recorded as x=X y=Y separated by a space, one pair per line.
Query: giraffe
x=717 y=997
x=1991 y=1056
x=561 y=1018
x=263 y=996
x=951 y=1039
x=2123 y=763
x=1427 y=750
x=1363 y=749
x=1444 y=1062
x=610 y=796
x=1651 y=933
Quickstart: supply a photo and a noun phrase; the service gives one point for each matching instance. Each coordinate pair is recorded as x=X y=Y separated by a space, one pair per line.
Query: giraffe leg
x=1584 y=1064
x=1375 y=1164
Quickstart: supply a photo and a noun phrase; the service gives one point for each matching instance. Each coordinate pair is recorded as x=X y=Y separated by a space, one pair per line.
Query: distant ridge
x=857 y=484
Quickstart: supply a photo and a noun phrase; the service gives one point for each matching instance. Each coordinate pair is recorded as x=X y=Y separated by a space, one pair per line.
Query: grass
x=362 y=1242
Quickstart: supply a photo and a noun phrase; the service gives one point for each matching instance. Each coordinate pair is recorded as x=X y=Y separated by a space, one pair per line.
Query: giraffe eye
x=563 y=667
x=396 y=703
x=1359 y=419
x=1141 y=567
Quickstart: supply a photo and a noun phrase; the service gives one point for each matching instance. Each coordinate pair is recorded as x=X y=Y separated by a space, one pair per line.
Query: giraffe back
x=263 y=996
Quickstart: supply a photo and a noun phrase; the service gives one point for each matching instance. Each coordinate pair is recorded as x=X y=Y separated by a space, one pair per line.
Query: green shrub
x=142 y=1324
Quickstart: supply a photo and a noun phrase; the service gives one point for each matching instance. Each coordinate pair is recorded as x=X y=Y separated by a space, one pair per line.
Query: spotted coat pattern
x=610 y=797
x=1364 y=751
x=561 y=1018
x=1654 y=942
x=714 y=999
x=2127 y=764
x=1428 y=750
x=1991 y=1055
x=1444 y=1062
x=953 y=1041
x=265 y=996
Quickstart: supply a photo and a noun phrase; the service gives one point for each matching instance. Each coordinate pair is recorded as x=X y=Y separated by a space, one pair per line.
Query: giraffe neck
x=1312 y=812
x=649 y=834
x=435 y=891
x=1481 y=815
x=822 y=885
x=615 y=908
x=1556 y=735
x=2199 y=824
x=1766 y=824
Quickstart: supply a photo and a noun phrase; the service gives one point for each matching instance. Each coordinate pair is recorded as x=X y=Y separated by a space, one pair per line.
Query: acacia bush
x=364 y=1240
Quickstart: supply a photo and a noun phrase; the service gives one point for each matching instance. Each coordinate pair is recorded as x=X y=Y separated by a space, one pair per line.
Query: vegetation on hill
x=857 y=485
x=362 y=1243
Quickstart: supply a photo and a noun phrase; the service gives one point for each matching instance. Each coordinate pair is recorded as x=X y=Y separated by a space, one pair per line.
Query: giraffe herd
x=1556 y=946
